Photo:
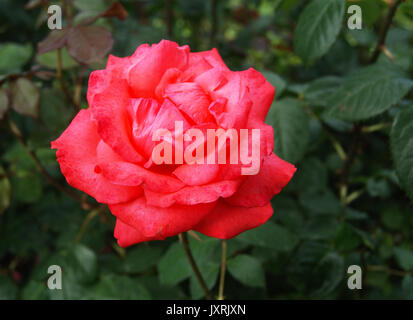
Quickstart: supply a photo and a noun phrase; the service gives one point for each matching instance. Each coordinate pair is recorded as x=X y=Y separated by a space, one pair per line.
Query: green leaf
x=13 y=56
x=25 y=97
x=320 y=203
x=209 y=271
x=116 y=287
x=318 y=27
x=54 y=110
x=347 y=238
x=368 y=92
x=4 y=191
x=312 y=173
x=331 y=271
x=277 y=82
x=90 y=8
x=49 y=59
x=404 y=257
x=85 y=264
x=318 y=91
x=407 y=287
x=270 y=235
x=26 y=186
x=392 y=218
x=8 y=289
x=247 y=270
x=320 y=227
x=402 y=149
x=35 y=290
x=173 y=266
x=140 y=258
x=378 y=188
x=72 y=289
x=4 y=103
x=291 y=129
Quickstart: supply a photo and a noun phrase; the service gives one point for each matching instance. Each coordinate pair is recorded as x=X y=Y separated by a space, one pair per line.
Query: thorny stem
x=394 y=272
x=62 y=83
x=223 y=269
x=381 y=42
x=86 y=222
x=183 y=238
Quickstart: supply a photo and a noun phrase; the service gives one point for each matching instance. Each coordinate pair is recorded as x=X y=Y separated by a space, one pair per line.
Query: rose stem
x=183 y=238
x=223 y=268
x=384 y=31
x=61 y=81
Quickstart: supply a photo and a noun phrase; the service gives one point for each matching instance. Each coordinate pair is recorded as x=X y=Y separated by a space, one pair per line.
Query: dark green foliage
x=345 y=122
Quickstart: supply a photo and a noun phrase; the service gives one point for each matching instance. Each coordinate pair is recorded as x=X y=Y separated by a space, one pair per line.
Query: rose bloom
x=106 y=150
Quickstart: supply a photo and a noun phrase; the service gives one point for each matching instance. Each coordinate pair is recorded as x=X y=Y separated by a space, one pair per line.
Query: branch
x=62 y=83
x=223 y=269
x=381 y=42
x=183 y=238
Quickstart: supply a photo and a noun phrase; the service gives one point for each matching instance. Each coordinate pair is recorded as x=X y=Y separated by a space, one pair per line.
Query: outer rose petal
x=261 y=93
x=193 y=195
x=212 y=57
x=159 y=223
x=258 y=190
x=226 y=221
x=126 y=235
x=129 y=174
x=151 y=64
x=77 y=155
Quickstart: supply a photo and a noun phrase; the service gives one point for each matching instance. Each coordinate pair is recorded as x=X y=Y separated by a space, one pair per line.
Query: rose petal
x=128 y=174
x=159 y=223
x=223 y=84
x=126 y=235
x=77 y=155
x=191 y=100
x=150 y=65
x=226 y=221
x=196 y=174
x=108 y=108
x=149 y=117
x=261 y=93
x=258 y=190
x=193 y=195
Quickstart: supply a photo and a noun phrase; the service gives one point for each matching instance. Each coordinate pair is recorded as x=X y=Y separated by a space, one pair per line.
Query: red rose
x=107 y=149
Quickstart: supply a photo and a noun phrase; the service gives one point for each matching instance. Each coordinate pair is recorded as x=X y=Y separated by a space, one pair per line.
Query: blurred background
x=347 y=205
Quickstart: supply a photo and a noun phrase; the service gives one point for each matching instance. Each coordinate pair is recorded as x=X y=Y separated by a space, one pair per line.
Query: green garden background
x=343 y=115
